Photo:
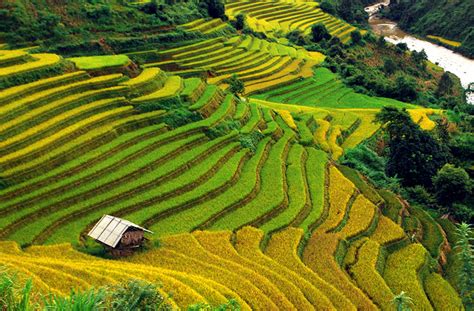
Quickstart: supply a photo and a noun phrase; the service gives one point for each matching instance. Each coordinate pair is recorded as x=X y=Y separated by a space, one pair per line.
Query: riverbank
x=449 y=60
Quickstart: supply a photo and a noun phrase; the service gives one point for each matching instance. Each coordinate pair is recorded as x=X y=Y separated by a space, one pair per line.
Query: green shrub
x=137 y=295
x=221 y=129
x=251 y=140
x=231 y=305
x=319 y=33
x=451 y=184
x=180 y=116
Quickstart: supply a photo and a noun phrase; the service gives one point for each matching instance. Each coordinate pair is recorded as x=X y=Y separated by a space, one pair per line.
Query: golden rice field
x=244 y=194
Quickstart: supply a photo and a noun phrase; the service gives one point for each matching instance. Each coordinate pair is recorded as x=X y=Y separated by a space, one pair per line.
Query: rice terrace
x=235 y=155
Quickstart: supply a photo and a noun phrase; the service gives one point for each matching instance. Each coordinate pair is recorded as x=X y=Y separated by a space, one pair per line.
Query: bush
x=319 y=33
x=236 y=86
x=356 y=37
x=462 y=212
x=251 y=140
x=451 y=184
x=137 y=295
x=420 y=196
x=181 y=116
x=240 y=22
x=223 y=128
x=389 y=66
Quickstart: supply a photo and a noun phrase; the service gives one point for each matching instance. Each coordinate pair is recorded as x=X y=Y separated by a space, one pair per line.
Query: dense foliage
x=83 y=22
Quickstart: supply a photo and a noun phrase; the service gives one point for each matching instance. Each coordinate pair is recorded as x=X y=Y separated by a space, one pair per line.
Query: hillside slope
x=449 y=19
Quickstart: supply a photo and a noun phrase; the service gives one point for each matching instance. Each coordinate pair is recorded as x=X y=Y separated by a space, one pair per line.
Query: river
x=461 y=66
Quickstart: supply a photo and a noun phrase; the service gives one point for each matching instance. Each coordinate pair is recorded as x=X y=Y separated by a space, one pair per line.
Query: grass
x=100 y=62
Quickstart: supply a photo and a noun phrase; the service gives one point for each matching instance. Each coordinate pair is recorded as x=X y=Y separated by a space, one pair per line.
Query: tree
x=402 y=302
x=389 y=66
x=215 y=8
x=327 y=7
x=451 y=184
x=445 y=85
x=319 y=32
x=419 y=58
x=236 y=86
x=356 y=37
x=466 y=256
x=414 y=155
x=240 y=21
x=346 y=9
x=405 y=89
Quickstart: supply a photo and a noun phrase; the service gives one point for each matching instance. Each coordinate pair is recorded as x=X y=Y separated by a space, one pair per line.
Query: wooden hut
x=121 y=237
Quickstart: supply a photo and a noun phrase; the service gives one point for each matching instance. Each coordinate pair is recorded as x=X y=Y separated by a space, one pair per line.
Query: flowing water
x=461 y=66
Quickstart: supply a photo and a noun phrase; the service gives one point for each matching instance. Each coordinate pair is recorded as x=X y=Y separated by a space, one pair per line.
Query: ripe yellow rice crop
x=319 y=256
x=320 y=135
x=57 y=119
x=95 y=82
x=247 y=243
x=336 y=150
x=387 y=231
x=282 y=248
x=421 y=117
x=41 y=61
x=91 y=135
x=219 y=244
x=181 y=256
x=288 y=118
x=172 y=87
x=147 y=75
x=445 y=41
x=29 y=88
x=340 y=191
x=401 y=274
x=365 y=274
x=361 y=216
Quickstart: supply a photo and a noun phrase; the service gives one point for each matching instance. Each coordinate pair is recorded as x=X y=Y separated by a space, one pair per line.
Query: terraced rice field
x=271 y=16
x=260 y=64
x=242 y=194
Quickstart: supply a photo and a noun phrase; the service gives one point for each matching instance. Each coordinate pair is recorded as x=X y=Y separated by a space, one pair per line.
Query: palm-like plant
x=402 y=302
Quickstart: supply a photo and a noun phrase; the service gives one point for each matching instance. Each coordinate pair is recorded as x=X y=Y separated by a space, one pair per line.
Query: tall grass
x=132 y=295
